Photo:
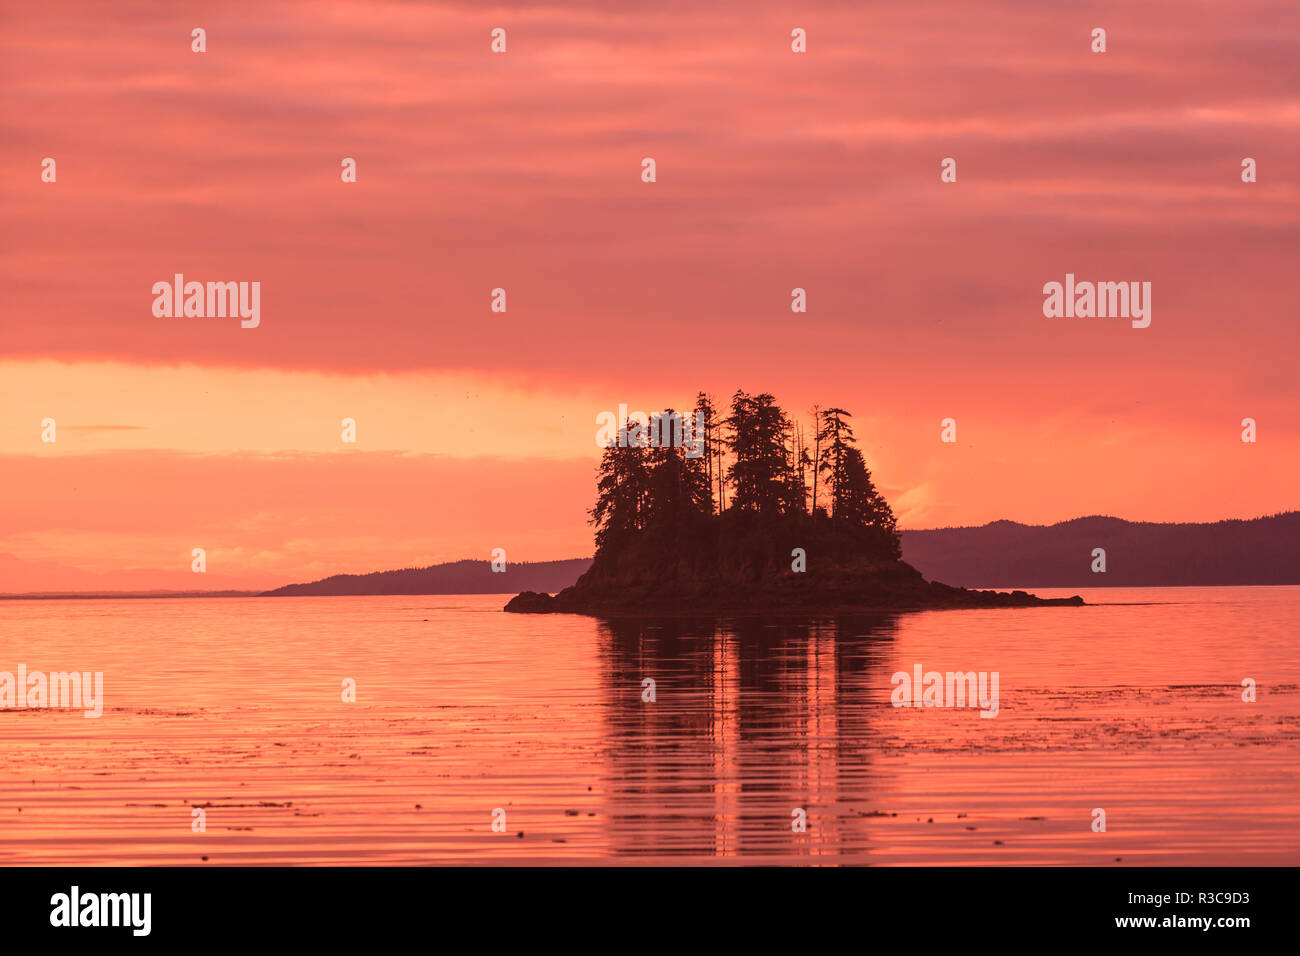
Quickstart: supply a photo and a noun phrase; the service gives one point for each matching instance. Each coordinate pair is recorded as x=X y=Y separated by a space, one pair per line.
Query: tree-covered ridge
x=754 y=464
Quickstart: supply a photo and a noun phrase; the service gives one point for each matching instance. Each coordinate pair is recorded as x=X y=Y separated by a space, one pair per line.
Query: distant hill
x=456 y=577
x=1138 y=553
x=118 y=595
x=996 y=555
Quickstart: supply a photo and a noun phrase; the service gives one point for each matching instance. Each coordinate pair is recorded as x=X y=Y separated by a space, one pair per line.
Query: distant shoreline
x=115 y=595
x=146 y=595
x=1254 y=552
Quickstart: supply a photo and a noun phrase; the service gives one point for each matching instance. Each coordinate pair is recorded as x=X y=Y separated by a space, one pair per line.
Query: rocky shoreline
x=881 y=586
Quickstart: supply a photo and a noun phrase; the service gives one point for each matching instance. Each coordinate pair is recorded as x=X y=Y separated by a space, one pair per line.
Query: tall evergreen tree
x=760 y=470
x=835 y=437
x=706 y=414
x=622 y=491
x=676 y=486
x=799 y=472
x=858 y=504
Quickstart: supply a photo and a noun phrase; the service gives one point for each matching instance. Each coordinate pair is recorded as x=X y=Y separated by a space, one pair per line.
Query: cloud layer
x=775 y=171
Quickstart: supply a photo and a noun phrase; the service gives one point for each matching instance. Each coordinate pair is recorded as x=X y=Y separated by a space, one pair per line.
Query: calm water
x=234 y=705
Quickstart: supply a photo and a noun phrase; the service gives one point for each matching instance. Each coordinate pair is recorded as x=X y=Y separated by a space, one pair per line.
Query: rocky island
x=740 y=515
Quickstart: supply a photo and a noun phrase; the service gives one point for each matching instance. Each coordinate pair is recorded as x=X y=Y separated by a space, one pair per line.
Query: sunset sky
x=522 y=170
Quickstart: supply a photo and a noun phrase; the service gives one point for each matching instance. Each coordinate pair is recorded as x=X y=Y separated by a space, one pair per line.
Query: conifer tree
x=760 y=471
x=647 y=482
x=706 y=414
x=859 y=505
x=621 y=491
x=835 y=436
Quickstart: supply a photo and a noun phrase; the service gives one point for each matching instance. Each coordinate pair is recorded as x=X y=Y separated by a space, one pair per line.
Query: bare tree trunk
x=722 y=485
x=817 y=451
x=799 y=455
x=708 y=457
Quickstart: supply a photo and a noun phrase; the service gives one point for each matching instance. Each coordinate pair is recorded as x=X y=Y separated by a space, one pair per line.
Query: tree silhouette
x=760 y=473
x=676 y=486
x=835 y=436
x=621 y=493
x=859 y=505
x=707 y=415
x=648 y=485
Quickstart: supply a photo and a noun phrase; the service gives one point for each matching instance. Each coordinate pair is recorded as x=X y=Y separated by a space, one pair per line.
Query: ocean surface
x=465 y=717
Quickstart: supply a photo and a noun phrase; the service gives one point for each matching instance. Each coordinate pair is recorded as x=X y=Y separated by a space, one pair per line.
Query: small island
x=703 y=514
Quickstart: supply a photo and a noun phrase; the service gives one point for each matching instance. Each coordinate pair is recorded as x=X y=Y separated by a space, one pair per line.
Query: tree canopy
x=751 y=465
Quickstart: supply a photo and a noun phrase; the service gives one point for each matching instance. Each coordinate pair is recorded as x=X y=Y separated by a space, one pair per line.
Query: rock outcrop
x=753 y=574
